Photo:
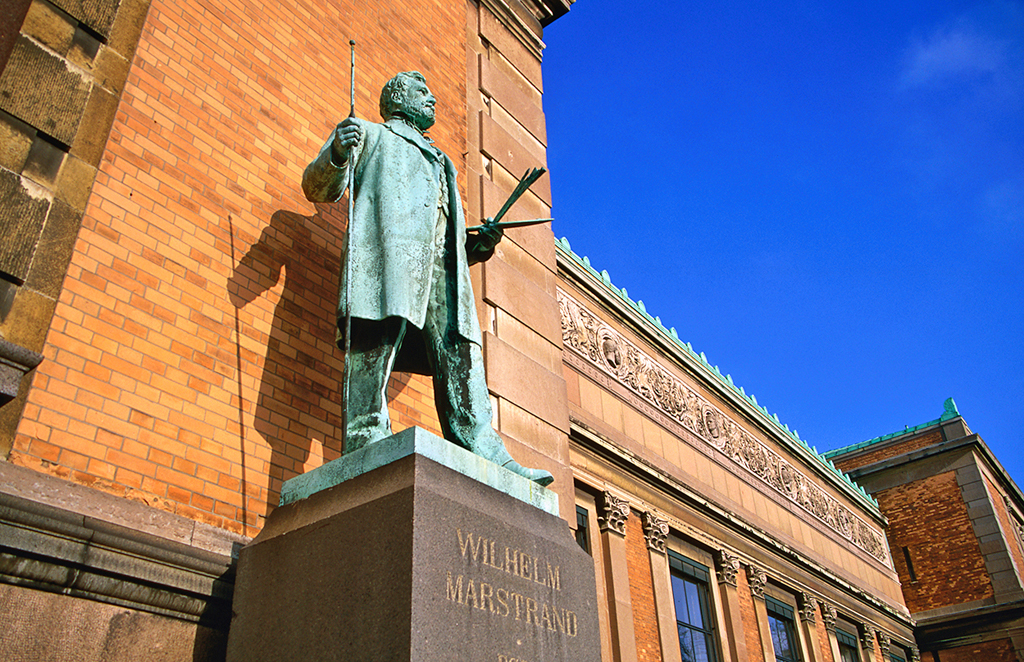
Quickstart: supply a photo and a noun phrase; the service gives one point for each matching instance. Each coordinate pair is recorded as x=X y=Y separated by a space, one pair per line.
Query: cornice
x=523 y=24
x=51 y=549
x=15 y=362
x=634 y=316
x=972 y=440
x=949 y=413
x=595 y=348
x=553 y=9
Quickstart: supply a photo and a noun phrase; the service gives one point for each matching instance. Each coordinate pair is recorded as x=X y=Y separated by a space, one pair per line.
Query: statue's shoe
x=539 y=476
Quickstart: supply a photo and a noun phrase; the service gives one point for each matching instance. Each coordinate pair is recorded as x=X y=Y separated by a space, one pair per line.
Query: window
x=693 y=610
x=847 y=646
x=583 y=529
x=910 y=564
x=898 y=653
x=781 y=624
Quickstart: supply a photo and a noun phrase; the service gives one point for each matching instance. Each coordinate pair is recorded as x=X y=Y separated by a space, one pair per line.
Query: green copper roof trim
x=949 y=411
x=725 y=380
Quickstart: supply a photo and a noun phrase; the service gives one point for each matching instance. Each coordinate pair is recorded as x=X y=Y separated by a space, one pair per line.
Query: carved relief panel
x=602 y=347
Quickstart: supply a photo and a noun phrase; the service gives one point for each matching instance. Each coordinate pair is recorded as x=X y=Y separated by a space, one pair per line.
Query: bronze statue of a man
x=409 y=293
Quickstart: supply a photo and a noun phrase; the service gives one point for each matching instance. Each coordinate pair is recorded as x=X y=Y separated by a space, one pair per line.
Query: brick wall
x=930 y=518
x=190 y=363
x=912 y=444
x=641 y=593
x=1000 y=650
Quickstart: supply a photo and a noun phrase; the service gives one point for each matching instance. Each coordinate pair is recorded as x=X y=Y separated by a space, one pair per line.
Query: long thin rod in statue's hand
x=508 y=224
x=348 y=262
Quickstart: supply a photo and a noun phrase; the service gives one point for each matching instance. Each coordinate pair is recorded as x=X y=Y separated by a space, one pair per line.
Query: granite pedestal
x=408 y=559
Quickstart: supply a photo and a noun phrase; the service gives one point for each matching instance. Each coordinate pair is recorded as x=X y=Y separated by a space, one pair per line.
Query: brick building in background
x=956 y=531
x=167 y=352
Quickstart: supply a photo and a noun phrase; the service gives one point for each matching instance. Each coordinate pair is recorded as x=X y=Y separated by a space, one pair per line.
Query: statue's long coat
x=397 y=181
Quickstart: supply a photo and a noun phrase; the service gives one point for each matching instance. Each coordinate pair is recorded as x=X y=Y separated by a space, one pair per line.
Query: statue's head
x=406 y=95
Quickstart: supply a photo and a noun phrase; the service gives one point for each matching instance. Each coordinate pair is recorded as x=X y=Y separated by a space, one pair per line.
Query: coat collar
x=400 y=128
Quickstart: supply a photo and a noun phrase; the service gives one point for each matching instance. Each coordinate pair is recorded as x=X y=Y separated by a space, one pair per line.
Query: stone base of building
x=88 y=577
x=413 y=560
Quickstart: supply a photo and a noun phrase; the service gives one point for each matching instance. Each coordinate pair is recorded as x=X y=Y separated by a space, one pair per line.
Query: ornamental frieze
x=609 y=351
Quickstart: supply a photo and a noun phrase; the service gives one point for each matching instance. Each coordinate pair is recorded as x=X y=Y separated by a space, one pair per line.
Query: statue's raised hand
x=346 y=137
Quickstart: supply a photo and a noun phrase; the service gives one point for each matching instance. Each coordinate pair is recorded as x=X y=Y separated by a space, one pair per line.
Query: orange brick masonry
x=749 y=617
x=892 y=451
x=191 y=361
x=1000 y=650
x=946 y=556
x=641 y=592
x=824 y=644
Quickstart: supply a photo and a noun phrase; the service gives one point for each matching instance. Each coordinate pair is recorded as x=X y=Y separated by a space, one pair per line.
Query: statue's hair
x=394 y=90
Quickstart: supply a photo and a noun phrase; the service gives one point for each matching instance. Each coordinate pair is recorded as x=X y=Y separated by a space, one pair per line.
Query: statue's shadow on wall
x=299 y=401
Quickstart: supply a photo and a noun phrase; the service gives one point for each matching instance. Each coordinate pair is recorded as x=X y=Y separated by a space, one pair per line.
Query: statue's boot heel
x=539 y=476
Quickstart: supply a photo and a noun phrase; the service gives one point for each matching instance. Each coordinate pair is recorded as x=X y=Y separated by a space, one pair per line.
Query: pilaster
x=828 y=618
x=867 y=642
x=612 y=515
x=757 y=580
x=727 y=567
x=807 y=612
x=656 y=533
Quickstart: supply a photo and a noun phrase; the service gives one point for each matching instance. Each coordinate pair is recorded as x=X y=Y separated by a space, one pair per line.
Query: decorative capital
x=655 y=532
x=808 y=606
x=884 y=643
x=613 y=515
x=828 y=615
x=867 y=638
x=757 y=579
x=727 y=566
x=915 y=654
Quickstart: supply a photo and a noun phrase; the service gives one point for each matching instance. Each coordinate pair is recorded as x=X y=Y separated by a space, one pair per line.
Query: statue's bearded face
x=418 y=105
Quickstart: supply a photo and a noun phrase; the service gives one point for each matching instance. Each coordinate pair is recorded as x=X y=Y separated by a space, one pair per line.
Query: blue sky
x=827 y=200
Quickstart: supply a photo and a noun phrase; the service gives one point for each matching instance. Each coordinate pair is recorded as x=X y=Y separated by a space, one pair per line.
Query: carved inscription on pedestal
x=523 y=592
x=602 y=352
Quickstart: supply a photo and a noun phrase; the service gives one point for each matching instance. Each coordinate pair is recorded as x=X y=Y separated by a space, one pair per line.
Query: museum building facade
x=167 y=355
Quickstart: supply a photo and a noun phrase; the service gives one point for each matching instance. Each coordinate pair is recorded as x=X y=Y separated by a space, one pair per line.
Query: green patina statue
x=408 y=290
